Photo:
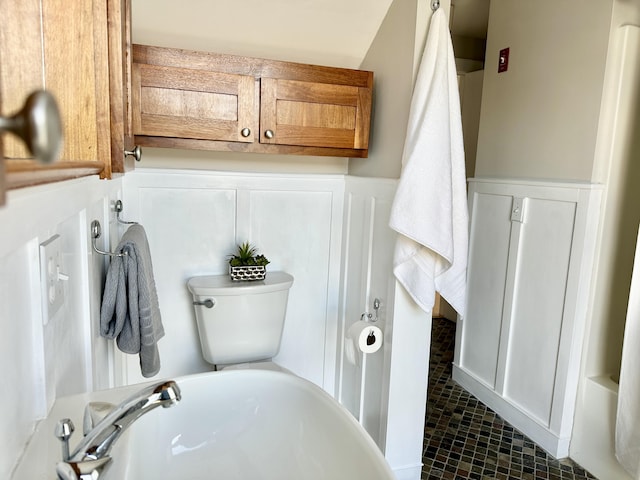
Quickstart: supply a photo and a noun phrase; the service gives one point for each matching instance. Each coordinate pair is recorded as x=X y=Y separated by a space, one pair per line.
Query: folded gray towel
x=130 y=310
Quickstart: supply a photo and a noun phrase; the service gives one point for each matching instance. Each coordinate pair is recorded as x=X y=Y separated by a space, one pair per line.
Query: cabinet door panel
x=74 y=34
x=58 y=46
x=20 y=74
x=185 y=103
x=313 y=114
x=538 y=305
x=486 y=279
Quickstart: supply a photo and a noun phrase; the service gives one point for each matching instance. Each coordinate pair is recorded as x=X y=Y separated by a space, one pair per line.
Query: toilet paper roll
x=362 y=337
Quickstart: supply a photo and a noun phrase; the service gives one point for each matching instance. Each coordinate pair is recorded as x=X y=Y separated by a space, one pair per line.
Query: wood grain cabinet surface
x=78 y=52
x=208 y=101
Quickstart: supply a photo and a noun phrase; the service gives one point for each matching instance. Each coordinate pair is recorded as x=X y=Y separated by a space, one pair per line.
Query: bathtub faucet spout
x=91 y=456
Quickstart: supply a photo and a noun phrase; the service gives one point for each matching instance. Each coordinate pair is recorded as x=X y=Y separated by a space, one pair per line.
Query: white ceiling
x=335 y=32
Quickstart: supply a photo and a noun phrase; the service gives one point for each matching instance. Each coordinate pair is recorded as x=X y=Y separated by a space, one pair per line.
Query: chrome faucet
x=91 y=456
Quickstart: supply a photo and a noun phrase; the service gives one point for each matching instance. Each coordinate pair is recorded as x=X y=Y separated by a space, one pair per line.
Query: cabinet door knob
x=136 y=153
x=39 y=126
x=268 y=134
x=245 y=132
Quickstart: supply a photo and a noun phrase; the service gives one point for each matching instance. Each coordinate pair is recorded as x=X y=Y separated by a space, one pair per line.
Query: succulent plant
x=246 y=254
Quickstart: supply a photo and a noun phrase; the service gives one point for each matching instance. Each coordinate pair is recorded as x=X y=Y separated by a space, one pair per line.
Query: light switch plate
x=51 y=277
x=517 y=210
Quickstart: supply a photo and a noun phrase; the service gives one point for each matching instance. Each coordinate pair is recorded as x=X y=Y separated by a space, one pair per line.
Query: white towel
x=430 y=206
x=130 y=310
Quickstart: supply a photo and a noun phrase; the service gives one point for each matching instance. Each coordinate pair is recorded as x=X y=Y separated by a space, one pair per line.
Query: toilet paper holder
x=368 y=317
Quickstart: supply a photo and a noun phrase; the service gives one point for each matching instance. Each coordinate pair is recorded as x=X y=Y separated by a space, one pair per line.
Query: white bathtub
x=242 y=424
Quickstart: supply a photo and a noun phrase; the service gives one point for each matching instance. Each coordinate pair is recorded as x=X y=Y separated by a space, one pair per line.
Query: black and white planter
x=247 y=273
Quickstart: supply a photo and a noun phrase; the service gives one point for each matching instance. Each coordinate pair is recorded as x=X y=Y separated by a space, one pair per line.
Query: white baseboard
x=412 y=472
x=556 y=446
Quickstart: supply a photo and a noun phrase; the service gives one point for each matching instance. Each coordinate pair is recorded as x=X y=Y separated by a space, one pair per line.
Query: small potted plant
x=247 y=264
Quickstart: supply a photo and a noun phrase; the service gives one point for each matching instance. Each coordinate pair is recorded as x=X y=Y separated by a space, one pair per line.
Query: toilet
x=240 y=323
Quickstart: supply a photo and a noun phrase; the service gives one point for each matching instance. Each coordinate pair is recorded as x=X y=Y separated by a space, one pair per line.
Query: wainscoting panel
x=490 y=230
x=195 y=219
x=531 y=260
x=366 y=274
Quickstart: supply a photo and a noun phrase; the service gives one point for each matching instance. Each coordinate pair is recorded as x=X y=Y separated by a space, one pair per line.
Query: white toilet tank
x=243 y=321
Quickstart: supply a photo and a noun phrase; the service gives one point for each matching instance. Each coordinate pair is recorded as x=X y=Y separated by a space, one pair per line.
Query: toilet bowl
x=240 y=324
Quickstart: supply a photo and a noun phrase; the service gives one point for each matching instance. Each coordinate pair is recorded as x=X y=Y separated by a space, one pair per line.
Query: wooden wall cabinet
x=206 y=101
x=78 y=52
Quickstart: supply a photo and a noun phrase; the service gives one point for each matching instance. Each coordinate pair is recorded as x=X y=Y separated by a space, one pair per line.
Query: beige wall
x=394 y=57
x=391 y=58
x=539 y=119
x=617 y=165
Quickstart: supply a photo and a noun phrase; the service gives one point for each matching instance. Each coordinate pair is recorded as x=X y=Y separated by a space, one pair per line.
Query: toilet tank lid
x=223 y=285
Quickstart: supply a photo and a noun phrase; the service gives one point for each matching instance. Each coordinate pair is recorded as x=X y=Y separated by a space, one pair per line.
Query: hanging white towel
x=430 y=206
x=628 y=416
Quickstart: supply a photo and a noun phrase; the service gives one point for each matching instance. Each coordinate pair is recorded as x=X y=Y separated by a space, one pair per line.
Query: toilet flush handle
x=207 y=303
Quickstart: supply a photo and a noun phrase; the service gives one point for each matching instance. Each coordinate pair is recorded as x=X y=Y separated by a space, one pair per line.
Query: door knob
x=39 y=126
x=136 y=153
x=268 y=134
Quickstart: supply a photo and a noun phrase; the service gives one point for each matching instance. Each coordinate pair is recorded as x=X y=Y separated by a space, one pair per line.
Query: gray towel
x=130 y=310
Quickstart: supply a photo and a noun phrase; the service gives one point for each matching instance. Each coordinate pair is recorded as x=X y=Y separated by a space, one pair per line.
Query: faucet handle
x=94 y=412
x=63 y=431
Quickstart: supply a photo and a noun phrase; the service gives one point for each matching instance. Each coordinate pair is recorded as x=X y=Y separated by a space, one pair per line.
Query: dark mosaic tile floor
x=463 y=439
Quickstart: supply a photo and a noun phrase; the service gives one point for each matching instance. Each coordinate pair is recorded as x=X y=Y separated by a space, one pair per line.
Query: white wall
x=617 y=163
x=362 y=387
x=65 y=356
x=194 y=219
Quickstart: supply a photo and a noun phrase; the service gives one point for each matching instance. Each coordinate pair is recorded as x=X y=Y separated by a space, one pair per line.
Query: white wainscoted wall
x=531 y=261
x=331 y=233
x=385 y=390
x=367 y=261
x=44 y=358
x=194 y=219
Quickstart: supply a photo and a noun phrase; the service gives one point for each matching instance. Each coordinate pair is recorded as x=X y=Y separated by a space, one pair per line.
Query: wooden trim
x=116 y=16
x=2 y=174
x=268 y=97
x=102 y=87
x=191 y=144
x=22 y=173
x=256 y=67
x=363 y=120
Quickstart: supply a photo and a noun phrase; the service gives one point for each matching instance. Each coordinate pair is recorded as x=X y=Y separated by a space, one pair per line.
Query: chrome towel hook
x=118 y=208
x=435 y=5
x=96 y=232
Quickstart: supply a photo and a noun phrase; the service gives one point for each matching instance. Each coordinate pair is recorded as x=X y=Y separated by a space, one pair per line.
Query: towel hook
x=435 y=5
x=96 y=232
x=118 y=208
